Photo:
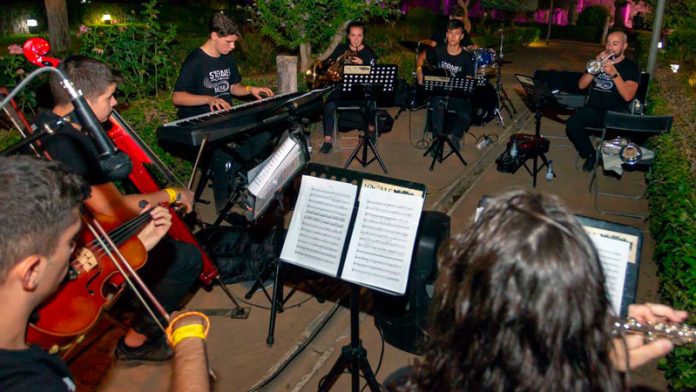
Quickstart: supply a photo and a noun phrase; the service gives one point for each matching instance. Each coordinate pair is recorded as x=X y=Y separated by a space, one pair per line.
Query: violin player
x=172 y=266
x=39 y=223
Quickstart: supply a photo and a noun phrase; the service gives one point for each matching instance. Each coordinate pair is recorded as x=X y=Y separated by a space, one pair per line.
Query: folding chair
x=623 y=124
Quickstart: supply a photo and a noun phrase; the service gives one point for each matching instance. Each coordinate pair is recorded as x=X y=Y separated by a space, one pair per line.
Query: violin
x=92 y=283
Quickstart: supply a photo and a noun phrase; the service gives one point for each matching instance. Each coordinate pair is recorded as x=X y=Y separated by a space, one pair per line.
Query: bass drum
x=484 y=103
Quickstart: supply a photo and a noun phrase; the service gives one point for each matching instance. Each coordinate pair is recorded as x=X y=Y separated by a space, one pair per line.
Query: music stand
x=446 y=87
x=538 y=96
x=367 y=82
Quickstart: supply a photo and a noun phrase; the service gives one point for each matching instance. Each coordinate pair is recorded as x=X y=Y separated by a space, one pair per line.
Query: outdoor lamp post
x=32 y=23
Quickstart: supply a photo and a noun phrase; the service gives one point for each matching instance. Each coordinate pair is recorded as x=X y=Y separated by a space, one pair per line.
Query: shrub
x=420 y=17
x=595 y=15
x=13 y=68
x=672 y=191
x=141 y=52
x=681 y=44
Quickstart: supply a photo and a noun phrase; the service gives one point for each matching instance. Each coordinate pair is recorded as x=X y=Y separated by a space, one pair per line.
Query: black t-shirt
x=457 y=66
x=366 y=54
x=33 y=370
x=205 y=75
x=603 y=93
x=74 y=148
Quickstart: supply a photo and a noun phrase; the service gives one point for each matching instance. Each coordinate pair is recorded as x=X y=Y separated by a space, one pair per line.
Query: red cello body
x=127 y=141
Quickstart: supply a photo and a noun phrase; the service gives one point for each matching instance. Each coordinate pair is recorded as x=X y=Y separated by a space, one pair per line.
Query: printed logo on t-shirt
x=451 y=69
x=604 y=82
x=218 y=80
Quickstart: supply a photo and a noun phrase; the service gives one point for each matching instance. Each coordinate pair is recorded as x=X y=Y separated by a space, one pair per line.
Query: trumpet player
x=354 y=52
x=612 y=83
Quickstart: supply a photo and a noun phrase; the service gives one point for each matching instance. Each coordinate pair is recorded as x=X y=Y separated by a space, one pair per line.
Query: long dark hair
x=520 y=304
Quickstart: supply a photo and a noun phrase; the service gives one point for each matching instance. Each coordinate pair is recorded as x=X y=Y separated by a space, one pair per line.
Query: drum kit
x=487 y=98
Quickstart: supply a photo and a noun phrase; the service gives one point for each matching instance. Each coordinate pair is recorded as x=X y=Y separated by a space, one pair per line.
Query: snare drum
x=485 y=61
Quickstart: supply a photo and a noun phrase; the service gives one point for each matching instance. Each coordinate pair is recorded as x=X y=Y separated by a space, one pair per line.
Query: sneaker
x=325 y=148
x=456 y=143
x=154 y=350
x=590 y=163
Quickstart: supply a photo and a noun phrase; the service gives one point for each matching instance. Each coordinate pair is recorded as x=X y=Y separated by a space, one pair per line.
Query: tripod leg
x=499 y=118
x=376 y=153
x=454 y=151
x=342 y=363
x=277 y=292
x=507 y=101
x=368 y=374
x=238 y=312
x=354 y=153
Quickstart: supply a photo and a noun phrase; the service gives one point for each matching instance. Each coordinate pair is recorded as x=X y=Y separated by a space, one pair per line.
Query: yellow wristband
x=247 y=88
x=170 y=332
x=187 y=331
x=172 y=194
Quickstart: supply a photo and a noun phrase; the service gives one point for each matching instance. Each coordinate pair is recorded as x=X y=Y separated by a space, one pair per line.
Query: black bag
x=385 y=122
x=238 y=256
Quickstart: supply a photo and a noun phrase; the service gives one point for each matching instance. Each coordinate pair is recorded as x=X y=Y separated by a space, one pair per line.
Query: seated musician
x=439 y=37
x=611 y=89
x=456 y=62
x=172 y=266
x=363 y=54
x=521 y=304
x=208 y=79
x=39 y=223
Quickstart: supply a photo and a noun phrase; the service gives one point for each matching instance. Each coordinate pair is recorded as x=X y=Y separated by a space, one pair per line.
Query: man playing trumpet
x=611 y=88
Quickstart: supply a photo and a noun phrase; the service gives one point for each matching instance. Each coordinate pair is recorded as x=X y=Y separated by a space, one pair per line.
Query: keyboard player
x=208 y=79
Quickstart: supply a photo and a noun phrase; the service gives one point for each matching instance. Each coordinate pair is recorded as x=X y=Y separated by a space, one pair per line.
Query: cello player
x=173 y=265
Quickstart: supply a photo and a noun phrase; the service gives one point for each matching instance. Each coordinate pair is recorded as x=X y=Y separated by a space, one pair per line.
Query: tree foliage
x=292 y=23
x=506 y=5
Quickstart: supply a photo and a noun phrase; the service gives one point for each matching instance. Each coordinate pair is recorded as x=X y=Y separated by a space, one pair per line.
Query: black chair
x=348 y=118
x=629 y=125
x=437 y=147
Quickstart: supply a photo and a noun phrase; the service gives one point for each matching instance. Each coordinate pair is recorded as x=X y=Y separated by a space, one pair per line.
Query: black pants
x=440 y=105
x=334 y=101
x=575 y=129
x=170 y=271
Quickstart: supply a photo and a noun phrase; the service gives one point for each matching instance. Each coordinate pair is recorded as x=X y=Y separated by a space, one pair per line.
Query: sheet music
x=271 y=165
x=381 y=246
x=319 y=225
x=613 y=254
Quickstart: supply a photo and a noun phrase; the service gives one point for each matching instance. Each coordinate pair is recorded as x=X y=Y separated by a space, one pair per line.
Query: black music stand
x=367 y=82
x=538 y=96
x=353 y=356
x=446 y=87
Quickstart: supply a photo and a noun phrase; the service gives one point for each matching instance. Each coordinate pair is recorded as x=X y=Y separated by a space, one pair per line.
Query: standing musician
x=611 y=89
x=361 y=54
x=39 y=224
x=208 y=79
x=456 y=62
x=173 y=266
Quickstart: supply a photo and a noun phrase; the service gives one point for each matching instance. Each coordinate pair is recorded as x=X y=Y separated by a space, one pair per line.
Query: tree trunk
x=550 y=20
x=58 y=28
x=287 y=74
x=305 y=56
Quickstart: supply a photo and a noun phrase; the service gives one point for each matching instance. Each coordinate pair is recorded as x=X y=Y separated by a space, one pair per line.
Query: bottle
x=549 y=171
x=483 y=143
x=513 y=149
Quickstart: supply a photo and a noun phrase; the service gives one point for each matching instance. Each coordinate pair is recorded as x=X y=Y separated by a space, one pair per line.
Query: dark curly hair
x=520 y=305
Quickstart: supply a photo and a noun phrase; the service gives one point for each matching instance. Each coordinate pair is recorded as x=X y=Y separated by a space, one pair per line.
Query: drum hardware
x=678 y=333
x=502 y=97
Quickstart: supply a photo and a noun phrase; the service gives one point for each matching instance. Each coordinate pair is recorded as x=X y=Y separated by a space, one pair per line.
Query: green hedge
x=672 y=192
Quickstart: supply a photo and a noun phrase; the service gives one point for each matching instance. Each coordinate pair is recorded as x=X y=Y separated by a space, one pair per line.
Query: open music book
x=368 y=242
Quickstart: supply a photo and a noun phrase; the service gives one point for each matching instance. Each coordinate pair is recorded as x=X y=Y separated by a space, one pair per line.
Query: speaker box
x=402 y=319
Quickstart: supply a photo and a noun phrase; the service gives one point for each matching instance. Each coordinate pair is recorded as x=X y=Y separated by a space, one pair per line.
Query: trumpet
x=595 y=66
x=678 y=333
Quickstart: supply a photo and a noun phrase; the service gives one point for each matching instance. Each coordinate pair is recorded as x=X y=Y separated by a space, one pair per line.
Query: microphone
x=115 y=165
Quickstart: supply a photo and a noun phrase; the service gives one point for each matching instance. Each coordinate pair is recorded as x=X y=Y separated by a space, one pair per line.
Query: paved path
x=237 y=348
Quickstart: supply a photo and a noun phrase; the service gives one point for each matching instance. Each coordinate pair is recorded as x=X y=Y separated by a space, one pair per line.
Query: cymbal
x=414 y=45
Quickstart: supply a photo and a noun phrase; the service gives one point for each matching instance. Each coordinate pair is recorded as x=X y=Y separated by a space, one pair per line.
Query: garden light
x=675 y=67
x=106 y=18
x=659 y=45
x=32 y=23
